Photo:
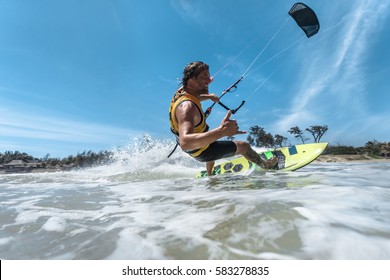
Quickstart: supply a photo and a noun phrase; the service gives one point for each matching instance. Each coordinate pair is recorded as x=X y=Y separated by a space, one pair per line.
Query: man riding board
x=188 y=123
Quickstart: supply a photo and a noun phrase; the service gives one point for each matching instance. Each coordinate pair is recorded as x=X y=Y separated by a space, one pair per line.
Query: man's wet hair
x=193 y=69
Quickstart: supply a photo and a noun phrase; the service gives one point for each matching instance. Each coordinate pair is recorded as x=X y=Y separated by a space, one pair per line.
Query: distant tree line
x=81 y=160
x=260 y=138
x=9 y=156
x=317 y=131
x=257 y=137
x=372 y=148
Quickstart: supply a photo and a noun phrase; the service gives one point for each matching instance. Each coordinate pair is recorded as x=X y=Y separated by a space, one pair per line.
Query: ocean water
x=144 y=206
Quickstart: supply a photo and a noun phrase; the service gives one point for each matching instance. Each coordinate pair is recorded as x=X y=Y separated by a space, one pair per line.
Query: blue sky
x=94 y=74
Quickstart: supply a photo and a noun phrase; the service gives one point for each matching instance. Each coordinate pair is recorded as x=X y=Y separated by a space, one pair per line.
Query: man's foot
x=270 y=163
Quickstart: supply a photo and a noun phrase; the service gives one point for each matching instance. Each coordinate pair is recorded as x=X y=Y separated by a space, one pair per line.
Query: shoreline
x=348 y=158
x=320 y=159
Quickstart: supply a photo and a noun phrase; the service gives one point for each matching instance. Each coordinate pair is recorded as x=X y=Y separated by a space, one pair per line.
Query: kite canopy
x=305 y=18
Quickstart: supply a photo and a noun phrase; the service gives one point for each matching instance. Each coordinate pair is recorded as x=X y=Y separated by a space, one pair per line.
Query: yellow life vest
x=181 y=96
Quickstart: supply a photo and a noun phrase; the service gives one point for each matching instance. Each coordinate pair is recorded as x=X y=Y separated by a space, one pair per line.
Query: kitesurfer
x=188 y=123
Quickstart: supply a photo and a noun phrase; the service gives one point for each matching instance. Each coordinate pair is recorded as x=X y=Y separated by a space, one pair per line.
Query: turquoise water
x=134 y=210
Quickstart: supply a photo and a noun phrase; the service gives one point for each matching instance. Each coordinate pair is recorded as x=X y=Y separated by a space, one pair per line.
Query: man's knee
x=242 y=147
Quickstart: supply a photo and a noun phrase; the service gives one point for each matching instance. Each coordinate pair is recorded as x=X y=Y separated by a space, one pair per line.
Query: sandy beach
x=348 y=158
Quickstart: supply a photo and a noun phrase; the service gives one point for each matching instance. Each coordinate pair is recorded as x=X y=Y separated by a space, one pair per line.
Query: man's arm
x=188 y=116
x=211 y=96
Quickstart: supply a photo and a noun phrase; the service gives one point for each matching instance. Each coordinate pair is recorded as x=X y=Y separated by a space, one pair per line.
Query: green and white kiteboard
x=289 y=159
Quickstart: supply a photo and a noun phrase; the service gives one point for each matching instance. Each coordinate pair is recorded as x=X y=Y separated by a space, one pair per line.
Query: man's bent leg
x=243 y=148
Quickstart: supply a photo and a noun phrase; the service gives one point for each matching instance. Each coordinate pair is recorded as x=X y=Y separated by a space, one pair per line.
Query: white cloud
x=31 y=132
x=187 y=9
x=25 y=125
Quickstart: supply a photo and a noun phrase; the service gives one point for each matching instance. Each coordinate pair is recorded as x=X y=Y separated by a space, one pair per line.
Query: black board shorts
x=218 y=150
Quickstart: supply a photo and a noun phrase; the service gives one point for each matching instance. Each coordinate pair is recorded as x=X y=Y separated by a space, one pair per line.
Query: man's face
x=202 y=81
